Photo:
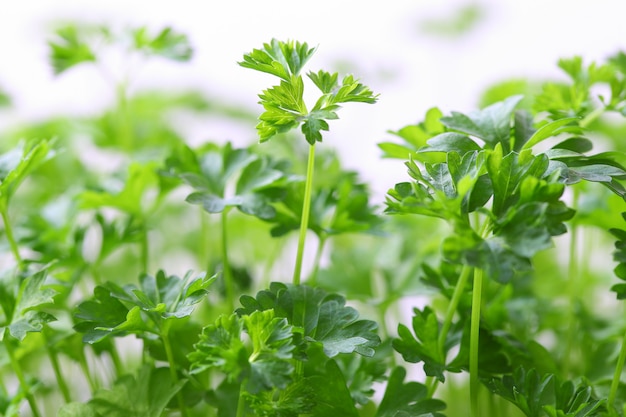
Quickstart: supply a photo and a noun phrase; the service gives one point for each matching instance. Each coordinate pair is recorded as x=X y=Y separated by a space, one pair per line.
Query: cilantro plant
x=481 y=285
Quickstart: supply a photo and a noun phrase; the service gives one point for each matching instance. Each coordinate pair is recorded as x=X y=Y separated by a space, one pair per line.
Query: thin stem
x=591 y=117
x=474 y=333
x=144 y=248
x=431 y=385
x=616 y=378
x=20 y=375
x=8 y=230
x=454 y=303
x=115 y=358
x=93 y=385
x=228 y=277
x=573 y=274
x=241 y=403
x=170 y=360
x=204 y=257
x=54 y=360
x=312 y=281
x=306 y=207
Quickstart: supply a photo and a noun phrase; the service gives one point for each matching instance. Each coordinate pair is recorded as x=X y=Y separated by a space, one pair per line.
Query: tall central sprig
x=285 y=108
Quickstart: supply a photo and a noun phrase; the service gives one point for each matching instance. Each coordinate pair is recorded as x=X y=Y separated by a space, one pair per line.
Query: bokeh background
x=415 y=53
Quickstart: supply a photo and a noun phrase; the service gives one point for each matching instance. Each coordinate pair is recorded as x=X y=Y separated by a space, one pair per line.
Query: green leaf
x=491 y=124
x=296 y=399
x=552 y=129
x=69 y=49
x=272 y=346
x=331 y=396
x=507 y=172
x=575 y=144
x=524 y=129
x=282 y=59
x=422 y=347
x=265 y=365
x=323 y=318
x=131 y=198
x=23 y=310
x=145 y=395
x=98 y=317
x=529 y=391
x=260 y=181
x=16 y=165
x=167 y=43
x=410 y=398
x=451 y=142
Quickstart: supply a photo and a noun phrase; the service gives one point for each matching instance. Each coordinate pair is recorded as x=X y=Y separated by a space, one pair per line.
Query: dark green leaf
x=331 y=396
x=451 y=142
x=422 y=347
x=410 y=398
x=492 y=124
x=324 y=318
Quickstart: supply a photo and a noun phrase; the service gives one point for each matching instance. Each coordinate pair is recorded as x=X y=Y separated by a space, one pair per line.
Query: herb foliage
x=476 y=226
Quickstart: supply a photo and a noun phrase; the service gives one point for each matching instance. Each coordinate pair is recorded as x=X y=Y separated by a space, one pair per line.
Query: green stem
x=474 y=333
x=454 y=303
x=204 y=257
x=228 y=277
x=431 y=385
x=306 y=207
x=144 y=248
x=20 y=375
x=241 y=403
x=616 y=378
x=8 y=230
x=93 y=385
x=591 y=117
x=54 y=360
x=312 y=281
x=572 y=281
x=172 y=363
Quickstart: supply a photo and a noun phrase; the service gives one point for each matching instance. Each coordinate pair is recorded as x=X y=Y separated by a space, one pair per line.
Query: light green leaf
x=69 y=49
x=278 y=58
x=552 y=129
x=16 y=165
x=167 y=43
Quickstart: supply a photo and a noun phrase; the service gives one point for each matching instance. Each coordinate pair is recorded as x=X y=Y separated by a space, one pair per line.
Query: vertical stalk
x=306 y=207
x=144 y=248
x=616 y=378
x=93 y=384
x=572 y=282
x=115 y=358
x=228 y=277
x=312 y=281
x=170 y=359
x=241 y=402
x=54 y=360
x=474 y=333
x=454 y=303
x=20 y=375
x=8 y=230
